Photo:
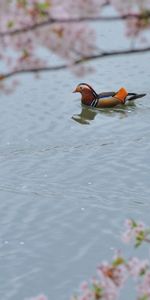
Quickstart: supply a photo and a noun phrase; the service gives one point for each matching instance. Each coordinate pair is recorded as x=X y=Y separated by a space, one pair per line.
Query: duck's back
x=106 y=95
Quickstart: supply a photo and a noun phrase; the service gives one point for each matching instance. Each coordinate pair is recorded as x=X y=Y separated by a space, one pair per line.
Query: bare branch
x=76 y=62
x=51 y=21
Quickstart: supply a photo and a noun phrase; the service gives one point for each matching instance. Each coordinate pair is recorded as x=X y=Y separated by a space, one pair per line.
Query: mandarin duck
x=106 y=99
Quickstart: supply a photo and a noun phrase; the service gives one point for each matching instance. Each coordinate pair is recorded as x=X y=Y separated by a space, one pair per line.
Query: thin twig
x=76 y=62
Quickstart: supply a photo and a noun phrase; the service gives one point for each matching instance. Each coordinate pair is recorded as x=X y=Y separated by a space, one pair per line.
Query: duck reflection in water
x=88 y=114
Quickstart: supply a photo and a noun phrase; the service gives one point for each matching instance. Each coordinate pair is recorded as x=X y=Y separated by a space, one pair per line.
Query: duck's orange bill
x=121 y=95
x=76 y=90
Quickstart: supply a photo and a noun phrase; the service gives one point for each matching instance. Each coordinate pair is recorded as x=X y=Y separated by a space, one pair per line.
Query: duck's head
x=87 y=92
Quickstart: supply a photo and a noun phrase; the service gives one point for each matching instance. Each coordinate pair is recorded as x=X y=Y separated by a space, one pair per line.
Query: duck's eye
x=81 y=88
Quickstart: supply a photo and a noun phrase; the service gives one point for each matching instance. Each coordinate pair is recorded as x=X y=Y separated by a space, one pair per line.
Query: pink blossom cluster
x=131 y=6
x=144 y=288
x=112 y=276
x=68 y=41
x=135 y=231
x=135 y=26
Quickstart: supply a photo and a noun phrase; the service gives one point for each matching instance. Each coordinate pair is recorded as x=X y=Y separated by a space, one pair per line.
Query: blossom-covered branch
x=63 y=28
x=50 y=21
x=76 y=62
x=112 y=276
x=136 y=231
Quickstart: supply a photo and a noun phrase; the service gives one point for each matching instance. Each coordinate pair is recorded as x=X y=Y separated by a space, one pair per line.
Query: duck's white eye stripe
x=83 y=86
x=89 y=87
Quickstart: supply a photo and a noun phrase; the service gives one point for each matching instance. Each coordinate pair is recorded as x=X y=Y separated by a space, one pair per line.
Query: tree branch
x=76 y=62
x=51 y=21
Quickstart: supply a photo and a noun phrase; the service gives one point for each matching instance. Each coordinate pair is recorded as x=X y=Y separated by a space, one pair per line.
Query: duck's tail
x=133 y=96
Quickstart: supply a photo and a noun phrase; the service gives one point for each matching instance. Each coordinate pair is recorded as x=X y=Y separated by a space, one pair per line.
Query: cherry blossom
x=137 y=267
x=144 y=288
x=29 y=26
x=112 y=276
x=136 y=231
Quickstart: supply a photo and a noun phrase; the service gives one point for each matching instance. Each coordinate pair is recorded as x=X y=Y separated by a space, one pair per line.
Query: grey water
x=70 y=176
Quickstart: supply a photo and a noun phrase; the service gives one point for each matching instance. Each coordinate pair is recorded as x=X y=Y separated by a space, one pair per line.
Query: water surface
x=69 y=176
